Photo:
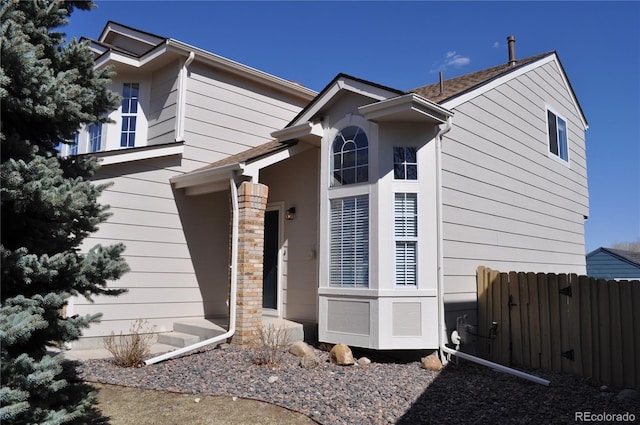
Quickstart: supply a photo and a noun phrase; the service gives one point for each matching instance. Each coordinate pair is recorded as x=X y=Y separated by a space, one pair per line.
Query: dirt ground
x=125 y=405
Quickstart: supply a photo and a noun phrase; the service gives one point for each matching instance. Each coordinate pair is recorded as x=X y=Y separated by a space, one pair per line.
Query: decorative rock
x=309 y=362
x=197 y=400
x=272 y=379
x=364 y=361
x=628 y=394
x=431 y=362
x=341 y=355
x=301 y=349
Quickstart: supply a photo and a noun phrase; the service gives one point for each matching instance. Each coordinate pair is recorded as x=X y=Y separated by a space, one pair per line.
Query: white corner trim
x=127 y=155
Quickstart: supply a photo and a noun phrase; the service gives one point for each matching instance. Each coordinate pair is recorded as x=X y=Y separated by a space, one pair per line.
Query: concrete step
x=177 y=339
x=295 y=331
x=202 y=328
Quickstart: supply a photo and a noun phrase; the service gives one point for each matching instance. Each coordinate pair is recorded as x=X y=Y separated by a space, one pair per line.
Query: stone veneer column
x=252 y=204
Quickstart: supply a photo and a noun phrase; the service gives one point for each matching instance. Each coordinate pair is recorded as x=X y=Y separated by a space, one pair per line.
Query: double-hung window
x=73 y=147
x=349 y=241
x=557 y=127
x=130 y=95
x=95 y=137
x=406 y=238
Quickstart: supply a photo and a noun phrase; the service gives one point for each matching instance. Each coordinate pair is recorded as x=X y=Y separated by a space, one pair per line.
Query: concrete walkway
x=102 y=353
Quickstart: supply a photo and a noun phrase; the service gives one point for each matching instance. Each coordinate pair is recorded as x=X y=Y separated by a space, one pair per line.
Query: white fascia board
x=126 y=155
x=453 y=103
x=245 y=71
x=141 y=36
x=345 y=84
x=306 y=131
x=406 y=107
x=205 y=176
x=128 y=60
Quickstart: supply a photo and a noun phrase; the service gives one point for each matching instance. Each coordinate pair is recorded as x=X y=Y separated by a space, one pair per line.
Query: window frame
x=94 y=137
x=357 y=152
x=557 y=146
x=129 y=114
x=405 y=164
x=408 y=236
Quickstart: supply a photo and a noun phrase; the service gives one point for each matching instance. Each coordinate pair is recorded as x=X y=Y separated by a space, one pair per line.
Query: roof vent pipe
x=511 y=42
x=441 y=82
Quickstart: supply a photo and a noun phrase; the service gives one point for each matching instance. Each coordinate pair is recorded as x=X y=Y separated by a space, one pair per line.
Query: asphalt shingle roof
x=456 y=86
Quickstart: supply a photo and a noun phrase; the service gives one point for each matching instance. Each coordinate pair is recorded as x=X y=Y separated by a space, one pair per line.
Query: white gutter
x=232 y=296
x=182 y=100
x=442 y=334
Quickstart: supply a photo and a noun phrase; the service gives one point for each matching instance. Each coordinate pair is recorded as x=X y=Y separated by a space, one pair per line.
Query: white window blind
x=406 y=236
x=349 y=263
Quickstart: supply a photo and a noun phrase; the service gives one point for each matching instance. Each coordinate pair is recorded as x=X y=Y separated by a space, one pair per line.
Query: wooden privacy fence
x=561 y=322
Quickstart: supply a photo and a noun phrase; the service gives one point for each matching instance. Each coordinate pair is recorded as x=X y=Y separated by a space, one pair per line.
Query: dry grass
x=124 y=405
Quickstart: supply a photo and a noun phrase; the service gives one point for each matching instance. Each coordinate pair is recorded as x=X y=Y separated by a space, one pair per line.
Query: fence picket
x=524 y=310
x=536 y=325
x=626 y=331
x=585 y=325
x=515 y=316
x=635 y=306
x=564 y=303
x=615 y=329
x=595 y=328
x=605 y=336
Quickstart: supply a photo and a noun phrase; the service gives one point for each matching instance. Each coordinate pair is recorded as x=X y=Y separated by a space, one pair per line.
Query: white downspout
x=182 y=97
x=232 y=296
x=442 y=333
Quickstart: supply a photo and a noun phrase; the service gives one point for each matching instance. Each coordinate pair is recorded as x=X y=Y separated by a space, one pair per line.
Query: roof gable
x=336 y=88
x=130 y=40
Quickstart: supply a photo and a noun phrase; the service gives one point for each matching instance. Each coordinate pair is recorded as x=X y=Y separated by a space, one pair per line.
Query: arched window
x=350 y=157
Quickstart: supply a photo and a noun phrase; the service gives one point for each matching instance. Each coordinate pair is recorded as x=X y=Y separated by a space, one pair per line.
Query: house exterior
x=370 y=208
x=613 y=264
x=182 y=108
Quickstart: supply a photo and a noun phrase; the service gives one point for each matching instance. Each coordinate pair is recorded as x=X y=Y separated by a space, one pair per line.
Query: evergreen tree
x=48 y=89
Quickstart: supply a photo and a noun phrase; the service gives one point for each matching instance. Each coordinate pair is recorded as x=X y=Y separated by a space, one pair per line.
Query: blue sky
x=404 y=45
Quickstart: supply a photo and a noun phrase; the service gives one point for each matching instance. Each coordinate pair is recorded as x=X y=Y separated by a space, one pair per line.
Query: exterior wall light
x=290 y=213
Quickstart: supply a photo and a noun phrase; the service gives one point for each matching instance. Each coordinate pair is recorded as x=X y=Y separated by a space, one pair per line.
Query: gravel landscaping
x=389 y=390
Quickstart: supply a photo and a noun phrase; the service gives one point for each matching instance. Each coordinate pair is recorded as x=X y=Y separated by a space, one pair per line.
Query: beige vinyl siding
x=226 y=115
x=177 y=246
x=163 y=105
x=507 y=203
x=295 y=182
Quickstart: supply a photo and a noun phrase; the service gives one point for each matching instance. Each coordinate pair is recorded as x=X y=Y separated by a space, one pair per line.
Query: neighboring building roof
x=631 y=257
